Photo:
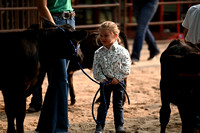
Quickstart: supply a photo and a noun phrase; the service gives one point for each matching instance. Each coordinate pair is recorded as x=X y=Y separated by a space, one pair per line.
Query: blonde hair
x=112 y=27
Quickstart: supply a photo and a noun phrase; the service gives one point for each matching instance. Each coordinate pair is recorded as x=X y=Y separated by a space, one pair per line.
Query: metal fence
x=17 y=14
x=161 y=21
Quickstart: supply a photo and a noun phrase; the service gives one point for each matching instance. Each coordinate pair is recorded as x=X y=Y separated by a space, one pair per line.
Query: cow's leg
x=10 y=111
x=71 y=87
x=125 y=42
x=165 y=109
x=11 y=118
x=187 y=118
x=21 y=112
x=36 y=100
x=164 y=116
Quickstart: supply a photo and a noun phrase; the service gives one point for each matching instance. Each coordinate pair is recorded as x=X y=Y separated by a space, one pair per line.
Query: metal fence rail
x=116 y=7
x=15 y=16
x=161 y=21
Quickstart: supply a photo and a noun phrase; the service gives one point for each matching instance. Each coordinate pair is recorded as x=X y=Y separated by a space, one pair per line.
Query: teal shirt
x=56 y=6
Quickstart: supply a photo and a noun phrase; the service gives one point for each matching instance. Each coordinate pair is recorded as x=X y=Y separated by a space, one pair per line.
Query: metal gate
x=161 y=22
x=17 y=15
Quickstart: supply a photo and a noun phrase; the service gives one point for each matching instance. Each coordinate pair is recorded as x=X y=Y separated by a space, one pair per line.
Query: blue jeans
x=144 y=14
x=118 y=94
x=54 y=113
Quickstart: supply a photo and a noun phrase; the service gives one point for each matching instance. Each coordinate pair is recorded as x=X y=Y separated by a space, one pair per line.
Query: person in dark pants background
x=144 y=11
x=54 y=113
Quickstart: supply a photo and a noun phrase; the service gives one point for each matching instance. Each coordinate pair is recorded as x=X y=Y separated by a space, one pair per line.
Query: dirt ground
x=141 y=116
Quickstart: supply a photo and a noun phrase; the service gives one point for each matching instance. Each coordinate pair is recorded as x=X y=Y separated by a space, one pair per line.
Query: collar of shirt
x=113 y=46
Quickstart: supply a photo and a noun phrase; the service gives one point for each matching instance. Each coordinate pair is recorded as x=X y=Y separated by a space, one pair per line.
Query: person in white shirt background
x=191 y=23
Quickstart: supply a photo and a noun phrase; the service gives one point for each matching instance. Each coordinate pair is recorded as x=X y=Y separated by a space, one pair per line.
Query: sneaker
x=36 y=130
x=153 y=55
x=134 y=60
x=99 y=129
x=120 y=129
x=32 y=110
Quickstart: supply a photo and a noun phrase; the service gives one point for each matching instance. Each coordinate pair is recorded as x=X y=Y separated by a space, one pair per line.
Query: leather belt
x=65 y=14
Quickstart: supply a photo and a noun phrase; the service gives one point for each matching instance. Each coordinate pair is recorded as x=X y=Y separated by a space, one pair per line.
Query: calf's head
x=58 y=41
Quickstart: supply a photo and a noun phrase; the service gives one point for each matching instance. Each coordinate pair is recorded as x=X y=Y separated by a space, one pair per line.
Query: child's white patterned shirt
x=111 y=63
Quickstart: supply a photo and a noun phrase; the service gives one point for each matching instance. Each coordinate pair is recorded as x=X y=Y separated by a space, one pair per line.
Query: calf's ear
x=46 y=23
x=67 y=27
x=79 y=35
x=34 y=27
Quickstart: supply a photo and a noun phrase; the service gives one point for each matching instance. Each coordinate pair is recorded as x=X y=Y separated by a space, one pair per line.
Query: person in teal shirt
x=54 y=112
x=58 y=12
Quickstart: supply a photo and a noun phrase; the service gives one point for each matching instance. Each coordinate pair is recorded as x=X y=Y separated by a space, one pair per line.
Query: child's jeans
x=118 y=94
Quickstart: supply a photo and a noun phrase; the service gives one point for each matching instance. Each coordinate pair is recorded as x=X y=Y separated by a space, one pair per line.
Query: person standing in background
x=144 y=11
x=54 y=113
x=191 y=23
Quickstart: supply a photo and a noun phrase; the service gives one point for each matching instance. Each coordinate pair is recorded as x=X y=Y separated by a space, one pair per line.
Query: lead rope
x=104 y=98
x=105 y=113
x=75 y=49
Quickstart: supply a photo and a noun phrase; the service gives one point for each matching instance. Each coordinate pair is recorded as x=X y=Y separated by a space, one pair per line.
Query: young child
x=111 y=62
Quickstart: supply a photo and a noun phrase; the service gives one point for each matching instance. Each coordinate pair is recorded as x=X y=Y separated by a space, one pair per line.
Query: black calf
x=180 y=77
x=21 y=54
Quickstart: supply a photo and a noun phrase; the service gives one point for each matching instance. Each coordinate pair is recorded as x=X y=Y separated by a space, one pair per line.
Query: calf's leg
x=15 y=107
x=164 y=116
x=71 y=87
x=10 y=113
x=187 y=118
x=165 y=110
x=20 y=114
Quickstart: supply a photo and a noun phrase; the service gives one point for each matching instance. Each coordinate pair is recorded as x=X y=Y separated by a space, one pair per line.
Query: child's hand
x=115 y=81
x=105 y=80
